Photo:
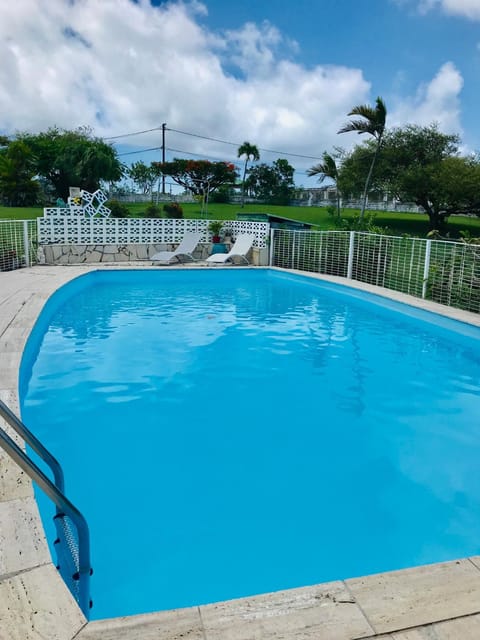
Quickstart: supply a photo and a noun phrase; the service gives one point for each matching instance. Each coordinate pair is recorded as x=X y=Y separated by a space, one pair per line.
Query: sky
x=281 y=75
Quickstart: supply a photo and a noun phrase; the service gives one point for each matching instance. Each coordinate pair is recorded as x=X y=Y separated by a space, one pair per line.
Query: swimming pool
x=238 y=432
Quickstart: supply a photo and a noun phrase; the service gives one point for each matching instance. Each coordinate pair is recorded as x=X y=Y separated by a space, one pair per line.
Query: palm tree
x=327 y=169
x=373 y=122
x=250 y=151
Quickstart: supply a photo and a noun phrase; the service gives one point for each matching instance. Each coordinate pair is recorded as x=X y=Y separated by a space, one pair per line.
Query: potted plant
x=215 y=227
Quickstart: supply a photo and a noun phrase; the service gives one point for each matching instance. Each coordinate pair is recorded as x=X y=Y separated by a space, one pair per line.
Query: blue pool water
x=228 y=433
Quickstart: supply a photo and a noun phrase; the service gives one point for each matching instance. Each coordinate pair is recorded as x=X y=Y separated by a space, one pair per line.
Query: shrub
x=221 y=195
x=118 y=209
x=173 y=210
x=153 y=211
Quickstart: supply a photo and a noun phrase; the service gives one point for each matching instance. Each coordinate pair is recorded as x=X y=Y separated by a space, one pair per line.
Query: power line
x=135 y=133
x=201 y=137
x=237 y=144
x=130 y=153
x=188 y=153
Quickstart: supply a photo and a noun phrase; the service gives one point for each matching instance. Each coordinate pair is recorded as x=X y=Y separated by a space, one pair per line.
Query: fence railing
x=63 y=229
x=18 y=243
x=445 y=272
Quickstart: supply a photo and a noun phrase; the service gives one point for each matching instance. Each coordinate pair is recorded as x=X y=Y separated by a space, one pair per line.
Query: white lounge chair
x=242 y=246
x=185 y=249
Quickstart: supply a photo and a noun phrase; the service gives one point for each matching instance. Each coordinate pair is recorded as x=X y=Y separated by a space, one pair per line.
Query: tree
x=274 y=184
x=250 y=151
x=73 y=159
x=327 y=169
x=421 y=165
x=144 y=176
x=18 y=186
x=373 y=120
x=201 y=177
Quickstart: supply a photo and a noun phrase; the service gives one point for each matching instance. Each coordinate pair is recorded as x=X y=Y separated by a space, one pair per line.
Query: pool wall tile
x=475 y=560
x=467 y=628
x=179 y=624
x=422 y=595
x=322 y=611
x=36 y=605
x=22 y=539
x=14 y=483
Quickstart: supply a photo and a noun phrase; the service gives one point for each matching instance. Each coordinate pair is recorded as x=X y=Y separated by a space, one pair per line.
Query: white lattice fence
x=446 y=272
x=454 y=275
x=318 y=251
x=80 y=230
x=389 y=261
x=18 y=240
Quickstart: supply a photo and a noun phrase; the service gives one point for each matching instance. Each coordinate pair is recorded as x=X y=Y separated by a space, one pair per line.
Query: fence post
x=351 y=248
x=26 y=243
x=426 y=268
x=270 y=252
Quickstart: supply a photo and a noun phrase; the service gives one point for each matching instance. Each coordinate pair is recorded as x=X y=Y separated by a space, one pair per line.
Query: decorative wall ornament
x=93 y=204
x=81 y=203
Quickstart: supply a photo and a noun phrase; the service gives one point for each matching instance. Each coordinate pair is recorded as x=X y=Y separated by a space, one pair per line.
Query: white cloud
x=438 y=101
x=466 y=8
x=121 y=66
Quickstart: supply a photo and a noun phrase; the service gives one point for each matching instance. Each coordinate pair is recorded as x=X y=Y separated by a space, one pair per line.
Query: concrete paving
x=434 y=602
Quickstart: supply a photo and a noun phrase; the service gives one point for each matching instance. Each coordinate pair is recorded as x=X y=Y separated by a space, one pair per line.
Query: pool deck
x=434 y=602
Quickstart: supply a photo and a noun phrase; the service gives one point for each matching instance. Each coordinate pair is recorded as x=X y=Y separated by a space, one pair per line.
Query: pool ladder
x=78 y=570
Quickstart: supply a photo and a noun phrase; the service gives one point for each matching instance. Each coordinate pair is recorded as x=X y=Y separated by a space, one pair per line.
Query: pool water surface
x=228 y=433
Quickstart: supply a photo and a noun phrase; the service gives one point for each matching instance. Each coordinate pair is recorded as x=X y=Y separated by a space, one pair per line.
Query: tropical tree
x=200 y=177
x=72 y=159
x=144 y=176
x=274 y=184
x=18 y=186
x=250 y=151
x=372 y=121
x=327 y=169
x=420 y=165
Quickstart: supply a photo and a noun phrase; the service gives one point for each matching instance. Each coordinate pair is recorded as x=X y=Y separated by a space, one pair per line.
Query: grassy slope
x=397 y=223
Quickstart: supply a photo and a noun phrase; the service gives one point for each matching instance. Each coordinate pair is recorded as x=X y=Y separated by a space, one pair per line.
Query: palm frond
x=364 y=110
x=360 y=126
x=317 y=170
x=373 y=121
x=325 y=169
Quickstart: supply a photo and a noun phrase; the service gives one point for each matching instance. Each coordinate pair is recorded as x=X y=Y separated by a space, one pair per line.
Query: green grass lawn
x=413 y=224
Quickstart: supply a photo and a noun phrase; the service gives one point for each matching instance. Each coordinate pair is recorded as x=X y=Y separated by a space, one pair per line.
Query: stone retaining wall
x=52 y=254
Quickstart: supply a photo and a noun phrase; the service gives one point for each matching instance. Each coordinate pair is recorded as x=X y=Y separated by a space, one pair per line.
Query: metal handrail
x=16 y=424
x=62 y=503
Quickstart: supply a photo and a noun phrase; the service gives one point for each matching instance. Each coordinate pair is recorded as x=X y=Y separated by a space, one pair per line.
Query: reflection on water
x=251 y=432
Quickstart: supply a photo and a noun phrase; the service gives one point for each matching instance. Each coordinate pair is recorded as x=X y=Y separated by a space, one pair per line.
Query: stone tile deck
x=435 y=602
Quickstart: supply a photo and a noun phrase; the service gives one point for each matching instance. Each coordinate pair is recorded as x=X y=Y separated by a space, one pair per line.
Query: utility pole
x=164 y=126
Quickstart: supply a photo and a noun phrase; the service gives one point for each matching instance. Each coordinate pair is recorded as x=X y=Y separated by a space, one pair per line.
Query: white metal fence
x=64 y=229
x=446 y=272
x=18 y=243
